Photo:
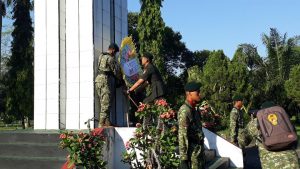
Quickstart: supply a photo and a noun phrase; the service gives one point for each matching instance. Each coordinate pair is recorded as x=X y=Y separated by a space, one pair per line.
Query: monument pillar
x=69 y=36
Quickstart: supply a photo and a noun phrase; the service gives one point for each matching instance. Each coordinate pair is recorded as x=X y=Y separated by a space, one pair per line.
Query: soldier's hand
x=128 y=91
x=183 y=164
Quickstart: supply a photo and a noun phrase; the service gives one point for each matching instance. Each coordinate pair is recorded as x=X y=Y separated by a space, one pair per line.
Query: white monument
x=69 y=36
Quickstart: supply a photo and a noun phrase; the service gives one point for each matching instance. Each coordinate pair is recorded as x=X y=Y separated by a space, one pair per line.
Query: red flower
x=127 y=145
x=161 y=102
x=138 y=125
x=167 y=115
x=97 y=132
x=63 y=136
x=162 y=116
x=142 y=107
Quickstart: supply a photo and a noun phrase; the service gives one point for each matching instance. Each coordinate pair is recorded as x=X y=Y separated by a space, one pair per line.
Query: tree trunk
x=23 y=122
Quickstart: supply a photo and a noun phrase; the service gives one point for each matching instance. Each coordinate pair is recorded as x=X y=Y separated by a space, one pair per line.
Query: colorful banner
x=129 y=61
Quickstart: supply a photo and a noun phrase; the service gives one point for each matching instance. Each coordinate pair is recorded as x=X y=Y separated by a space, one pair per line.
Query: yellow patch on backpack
x=273 y=119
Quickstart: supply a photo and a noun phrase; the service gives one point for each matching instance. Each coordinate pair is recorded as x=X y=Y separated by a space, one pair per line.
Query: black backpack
x=276 y=129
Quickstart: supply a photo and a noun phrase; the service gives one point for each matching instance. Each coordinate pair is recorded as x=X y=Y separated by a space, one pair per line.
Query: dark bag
x=276 y=129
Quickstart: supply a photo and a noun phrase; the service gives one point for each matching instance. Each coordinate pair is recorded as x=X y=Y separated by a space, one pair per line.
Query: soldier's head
x=113 y=49
x=253 y=113
x=237 y=101
x=192 y=92
x=146 y=58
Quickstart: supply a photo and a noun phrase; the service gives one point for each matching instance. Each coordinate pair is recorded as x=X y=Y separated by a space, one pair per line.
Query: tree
x=151 y=28
x=278 y=64
x=292 y=85
x=239 y=74
x=5 y=53
x=3 y=6
x=132 y=28
x=215 y=84
x=20 y=74
x=280 y=52
x=249 y=56
x=172 y=47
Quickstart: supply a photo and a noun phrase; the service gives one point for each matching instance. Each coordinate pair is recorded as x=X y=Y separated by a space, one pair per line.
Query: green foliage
x=292 y=86
x=278 y=63
x=154 y=145
x=85 y=149
x=239 y=75
x=150 y=28
x=194 y=74
x=215 y=85
x=20 y=74
x=132 y=28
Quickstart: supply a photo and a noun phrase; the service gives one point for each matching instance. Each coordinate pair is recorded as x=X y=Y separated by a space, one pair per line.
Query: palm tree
x=279 y=61
x=280 y=53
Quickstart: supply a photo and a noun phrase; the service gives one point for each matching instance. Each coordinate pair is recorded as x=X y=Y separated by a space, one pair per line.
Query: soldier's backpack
x=276 y=129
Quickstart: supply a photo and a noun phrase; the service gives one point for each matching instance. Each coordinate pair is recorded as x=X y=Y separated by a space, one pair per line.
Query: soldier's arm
x=182 y=132
x=233 y=125
x=141 y=80
x=252 y=128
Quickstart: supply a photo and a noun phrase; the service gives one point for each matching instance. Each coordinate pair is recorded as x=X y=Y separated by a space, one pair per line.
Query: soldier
x=286 y=159
x=108 y=70
x=237 y=132
x=190 y=134
x=150 y=76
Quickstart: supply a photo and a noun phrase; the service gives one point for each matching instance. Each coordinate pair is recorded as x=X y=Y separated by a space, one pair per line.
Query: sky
x=220 y=24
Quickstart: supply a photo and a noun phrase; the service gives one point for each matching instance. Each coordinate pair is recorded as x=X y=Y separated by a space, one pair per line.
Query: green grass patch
x=10 y=128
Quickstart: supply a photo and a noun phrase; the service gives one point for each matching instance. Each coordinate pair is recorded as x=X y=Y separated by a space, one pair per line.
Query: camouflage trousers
x=104 y=95
x=287 y=159
x=196 y=156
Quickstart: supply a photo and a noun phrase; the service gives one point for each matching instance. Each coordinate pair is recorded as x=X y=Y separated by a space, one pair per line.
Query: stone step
x=32 y=150
x=23 y=162
x=219 y=163
x=30 y=136
x=210 y=155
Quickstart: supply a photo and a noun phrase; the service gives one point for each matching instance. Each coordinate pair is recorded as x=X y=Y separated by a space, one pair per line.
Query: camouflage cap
x=192 y=86
x=237 y=97
x=114 y=46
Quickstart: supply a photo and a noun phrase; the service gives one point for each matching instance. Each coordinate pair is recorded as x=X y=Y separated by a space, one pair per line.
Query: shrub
x=85 y=149
x=157 y=142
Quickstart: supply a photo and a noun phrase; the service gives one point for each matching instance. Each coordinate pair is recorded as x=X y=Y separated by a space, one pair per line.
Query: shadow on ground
x=251 y=159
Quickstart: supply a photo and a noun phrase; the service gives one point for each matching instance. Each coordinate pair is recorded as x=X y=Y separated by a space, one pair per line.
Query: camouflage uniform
x=237 y=133
x=107 y=71
x=191 y=145
x=287 y=159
